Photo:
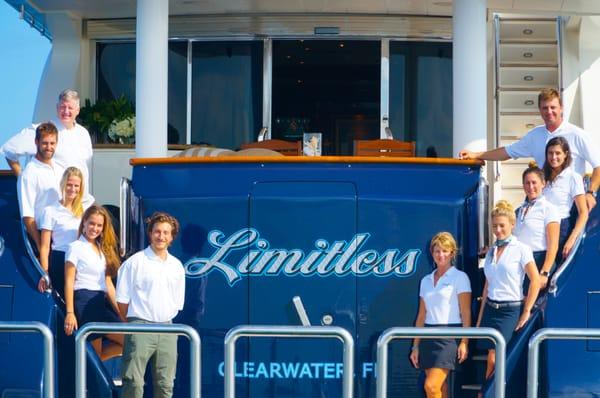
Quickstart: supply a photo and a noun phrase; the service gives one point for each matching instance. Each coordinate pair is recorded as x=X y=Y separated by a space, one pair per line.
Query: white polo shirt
x=505 y=275
x=74 y=147
x=531 y=225
x=38 y=186
x=561 y=193
x=63 y=224
x=90 y=266
x=153 y=288
x=441 y=300
x=533 y=144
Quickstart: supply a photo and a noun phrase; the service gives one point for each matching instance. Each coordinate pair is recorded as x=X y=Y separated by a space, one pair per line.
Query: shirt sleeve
x=521 y=148
x=589 y=148
x=551 y=214
x=71 y=255
x=180 y=290
x=576 y=187
x=48 y=221
x=463 y=285
x=124 y=283
x=27 y=195
x=526 y=255
x=20 y=144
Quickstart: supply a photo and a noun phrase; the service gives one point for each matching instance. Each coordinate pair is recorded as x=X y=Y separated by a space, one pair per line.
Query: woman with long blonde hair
x=91 y=263
x=59 y=226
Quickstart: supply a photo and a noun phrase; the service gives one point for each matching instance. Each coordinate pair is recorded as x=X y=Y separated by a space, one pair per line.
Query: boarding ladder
x=527 y=59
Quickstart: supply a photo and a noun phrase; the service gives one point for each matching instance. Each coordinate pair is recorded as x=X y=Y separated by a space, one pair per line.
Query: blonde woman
x=91 y=263
x=503 y=306
x=445 y=300
x=59 y=226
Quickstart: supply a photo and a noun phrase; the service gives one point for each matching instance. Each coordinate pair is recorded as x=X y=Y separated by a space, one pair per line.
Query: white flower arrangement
x=122 y=130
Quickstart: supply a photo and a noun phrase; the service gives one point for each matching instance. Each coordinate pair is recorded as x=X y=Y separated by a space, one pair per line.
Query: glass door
x=330 y=87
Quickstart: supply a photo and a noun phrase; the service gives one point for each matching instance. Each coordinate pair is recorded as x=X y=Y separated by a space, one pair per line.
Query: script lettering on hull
x=340 y=258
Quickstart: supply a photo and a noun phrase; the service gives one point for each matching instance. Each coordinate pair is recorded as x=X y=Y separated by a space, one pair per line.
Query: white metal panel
x=283 y=25
x=517 y=126
x=539 y=54
x=518 y=101
x=528 y=30
x=526 y=77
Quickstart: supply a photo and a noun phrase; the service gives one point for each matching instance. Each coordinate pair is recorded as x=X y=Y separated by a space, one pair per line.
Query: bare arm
x=112 y=296
x=552 y=233
x=32 y=230
x=497 y=154
x=482 y=305
x=532 y=293
x=70 y=320
x=15 y=166
x=594 y=185
x=419 y=322
x=123 y=309
x=464 y=303
x=45 y=238
x=582 y=217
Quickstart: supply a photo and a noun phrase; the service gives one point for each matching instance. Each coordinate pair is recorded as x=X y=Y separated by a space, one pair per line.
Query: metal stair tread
x=472 y=387
x=528 y=65
x=528 y=42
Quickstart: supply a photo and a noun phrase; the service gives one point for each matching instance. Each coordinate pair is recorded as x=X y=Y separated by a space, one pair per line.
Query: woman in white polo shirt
x=59 y=226
x=445 y=300
x=506 y=264
x=91 y=263
x=563 y=188
x=538 y=223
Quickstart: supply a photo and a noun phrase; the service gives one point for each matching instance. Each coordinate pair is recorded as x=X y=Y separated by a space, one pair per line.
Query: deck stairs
x=527 y=59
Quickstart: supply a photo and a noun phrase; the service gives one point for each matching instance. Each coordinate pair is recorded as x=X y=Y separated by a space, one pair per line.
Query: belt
x=503 y=304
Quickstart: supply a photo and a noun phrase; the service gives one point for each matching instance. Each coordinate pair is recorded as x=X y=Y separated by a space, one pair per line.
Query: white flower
x=124 y=128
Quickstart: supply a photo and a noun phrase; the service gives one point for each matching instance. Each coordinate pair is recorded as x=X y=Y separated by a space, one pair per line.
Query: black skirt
x=56 y=272
x=438 y=353
x=502 y=319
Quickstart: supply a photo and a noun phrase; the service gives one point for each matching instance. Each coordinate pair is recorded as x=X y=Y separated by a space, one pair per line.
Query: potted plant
x=109 y=121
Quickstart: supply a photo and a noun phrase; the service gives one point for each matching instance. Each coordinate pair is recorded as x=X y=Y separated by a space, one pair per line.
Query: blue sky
x=24 y=52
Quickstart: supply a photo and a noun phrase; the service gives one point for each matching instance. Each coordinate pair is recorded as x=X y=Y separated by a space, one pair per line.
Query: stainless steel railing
x=442 y=332
x=37 y=327
x=124 y=209
x=536 y=340
x=137 y=328
x=553 y=285
x=33 y=257
x=323 y=332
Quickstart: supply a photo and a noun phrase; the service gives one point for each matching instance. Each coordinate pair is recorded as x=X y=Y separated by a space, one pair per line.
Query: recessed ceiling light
x=529 y=102
x=527 y=55
x=530 y=125
x=288 y=56
x=442 y=3
x=306 y=49
x=528 y=78
x=527 y=31
x=342 y=45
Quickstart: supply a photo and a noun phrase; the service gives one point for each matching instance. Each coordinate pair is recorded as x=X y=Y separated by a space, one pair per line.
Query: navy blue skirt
x=503 y=319
x=438 y=353
x=93 y=306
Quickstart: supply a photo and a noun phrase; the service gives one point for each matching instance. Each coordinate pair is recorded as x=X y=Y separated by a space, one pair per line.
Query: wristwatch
x=545 y=273
x=593 y=193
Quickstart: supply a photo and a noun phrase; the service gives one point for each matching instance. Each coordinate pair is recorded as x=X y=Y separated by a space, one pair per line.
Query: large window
x=226 y=92
x=115 y=63
x=421 y=96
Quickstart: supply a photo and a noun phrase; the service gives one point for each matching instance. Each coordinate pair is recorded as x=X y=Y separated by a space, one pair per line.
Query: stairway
x=527 y=59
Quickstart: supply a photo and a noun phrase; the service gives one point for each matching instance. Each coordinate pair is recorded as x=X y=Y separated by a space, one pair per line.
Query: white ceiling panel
x=581 y=6
x=537 y=5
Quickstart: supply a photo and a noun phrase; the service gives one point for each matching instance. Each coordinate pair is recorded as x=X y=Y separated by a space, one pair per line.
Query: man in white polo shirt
x=74 y=144
x=583 y=147
x=151 y=289
x=39 y=184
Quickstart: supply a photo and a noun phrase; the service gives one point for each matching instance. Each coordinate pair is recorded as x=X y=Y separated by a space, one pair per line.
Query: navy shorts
x=438 y=353
x=56 y=271
x=502 y=319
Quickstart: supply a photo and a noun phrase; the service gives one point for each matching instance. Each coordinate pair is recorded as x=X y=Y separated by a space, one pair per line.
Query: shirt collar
x=558 y=129
x=42 y=164
x=152 y=256
x=449 y=272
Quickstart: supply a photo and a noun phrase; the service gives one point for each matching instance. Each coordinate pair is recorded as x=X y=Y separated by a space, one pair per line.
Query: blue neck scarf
x=503 y=242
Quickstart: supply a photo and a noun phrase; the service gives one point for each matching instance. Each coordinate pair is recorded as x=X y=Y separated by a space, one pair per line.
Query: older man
x=533 y=144
x=38 y=184
x=74 y=145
